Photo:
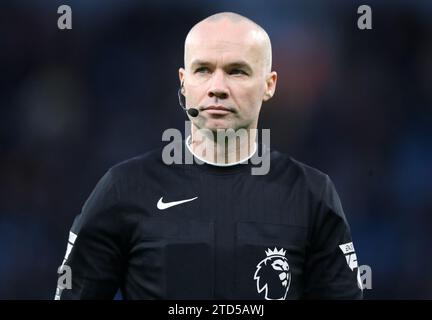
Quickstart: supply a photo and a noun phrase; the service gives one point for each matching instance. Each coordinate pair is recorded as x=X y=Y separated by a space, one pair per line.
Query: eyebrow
x=234 y=64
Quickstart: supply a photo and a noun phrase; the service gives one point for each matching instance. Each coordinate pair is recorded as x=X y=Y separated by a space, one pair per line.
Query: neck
x=223 y=147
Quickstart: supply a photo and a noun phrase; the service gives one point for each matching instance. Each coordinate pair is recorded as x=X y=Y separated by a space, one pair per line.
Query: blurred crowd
x=355 y=104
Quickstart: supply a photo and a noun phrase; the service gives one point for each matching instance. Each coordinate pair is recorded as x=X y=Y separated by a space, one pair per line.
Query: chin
x=221 y=124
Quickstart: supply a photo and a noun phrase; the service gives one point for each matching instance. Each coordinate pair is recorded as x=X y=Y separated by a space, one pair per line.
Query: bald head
x=230 y=28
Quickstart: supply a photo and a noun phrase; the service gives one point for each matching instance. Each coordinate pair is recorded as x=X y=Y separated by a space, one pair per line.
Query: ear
x=182 y=73
x=270 y=86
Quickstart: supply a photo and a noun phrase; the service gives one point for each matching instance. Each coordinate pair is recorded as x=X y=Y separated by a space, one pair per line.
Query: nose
x=218 y=87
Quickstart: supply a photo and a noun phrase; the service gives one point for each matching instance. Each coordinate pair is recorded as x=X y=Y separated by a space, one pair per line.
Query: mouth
x=217 y=110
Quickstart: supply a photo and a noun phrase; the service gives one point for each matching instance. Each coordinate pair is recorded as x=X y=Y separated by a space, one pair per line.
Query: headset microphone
x=193 y=112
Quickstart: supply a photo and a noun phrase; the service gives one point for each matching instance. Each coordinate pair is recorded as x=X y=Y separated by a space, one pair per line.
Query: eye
x=202 y=70
x=238 y=71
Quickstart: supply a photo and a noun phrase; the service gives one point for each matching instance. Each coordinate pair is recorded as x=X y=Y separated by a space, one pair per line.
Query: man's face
x=225 y=75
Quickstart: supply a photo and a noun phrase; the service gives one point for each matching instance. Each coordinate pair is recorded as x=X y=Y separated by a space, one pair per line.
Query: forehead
x=225 y=41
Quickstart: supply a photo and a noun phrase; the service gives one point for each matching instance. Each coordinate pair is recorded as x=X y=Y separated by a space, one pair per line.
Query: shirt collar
x=187 y=142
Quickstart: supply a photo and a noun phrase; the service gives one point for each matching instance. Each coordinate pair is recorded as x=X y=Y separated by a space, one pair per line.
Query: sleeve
x=331 y=270
x=94 y=254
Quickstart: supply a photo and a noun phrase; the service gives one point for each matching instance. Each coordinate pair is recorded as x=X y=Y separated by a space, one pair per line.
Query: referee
x=214 y=230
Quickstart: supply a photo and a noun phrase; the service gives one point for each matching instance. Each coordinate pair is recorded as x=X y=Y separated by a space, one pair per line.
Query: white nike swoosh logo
x=165 y=205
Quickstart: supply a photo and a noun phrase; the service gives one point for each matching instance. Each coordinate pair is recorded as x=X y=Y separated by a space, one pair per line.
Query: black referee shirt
x=158 y=231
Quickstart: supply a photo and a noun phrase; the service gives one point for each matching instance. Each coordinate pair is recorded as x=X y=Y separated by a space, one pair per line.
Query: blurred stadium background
x=354 y=104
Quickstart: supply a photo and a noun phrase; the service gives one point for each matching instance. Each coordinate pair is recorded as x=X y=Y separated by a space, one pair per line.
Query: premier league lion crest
x=273 y=275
